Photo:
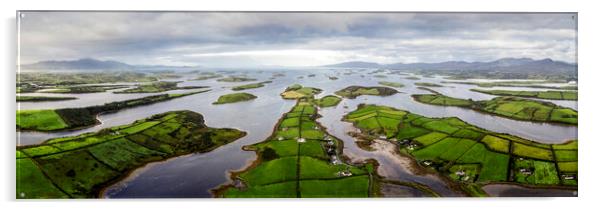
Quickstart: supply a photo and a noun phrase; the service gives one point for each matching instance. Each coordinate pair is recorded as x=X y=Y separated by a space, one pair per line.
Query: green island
x=157 y=87
x=427 y=84
x=529 y=84
x=466 y=154
x=297 y=91
x=380 y=76
x=236 y=79
x=78 y=118
x=300 y=159
x=43 y=98
x=82 y=166
x=207 y=76
x=550 y=94
x=508 y=106
x=234 y=97
x=250 y=86
x=83 y=89
x=413 y=78
x=327 y=101
x=391 y=84
x=352 y=92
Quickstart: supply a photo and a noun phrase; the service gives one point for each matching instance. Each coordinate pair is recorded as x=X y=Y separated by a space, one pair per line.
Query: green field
x=352 y=92
x=52 y=80
x=391 y=84
x=250 y=86
x=236 y=79
x=83 y=89
x=42 y=120
x=553 y=95
x=297 y=161
x=427 y=84
x=508 y=106
x=234 y=97
x=327 y=101
x=43 y=98
x=466 y=153
x=157 y=87
x=75 y=118
x=297 y=91
x=438 y=99
x=80 y=166
x=529 y=84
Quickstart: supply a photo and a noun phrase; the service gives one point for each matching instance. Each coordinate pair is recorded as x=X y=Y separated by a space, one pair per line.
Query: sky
x=214 y=39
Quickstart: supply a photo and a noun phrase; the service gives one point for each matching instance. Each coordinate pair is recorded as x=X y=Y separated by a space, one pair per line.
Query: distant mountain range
x=94 y=64
x=502 y=65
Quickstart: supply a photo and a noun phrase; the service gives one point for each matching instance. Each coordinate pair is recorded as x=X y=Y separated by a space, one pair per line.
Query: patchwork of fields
x=80 y=166
x=553 y=95
x=75 y=118
x=508 y=106
x=466 y=153
x=301 y=160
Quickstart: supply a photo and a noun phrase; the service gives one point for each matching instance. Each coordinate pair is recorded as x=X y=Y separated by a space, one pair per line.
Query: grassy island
x=413 y=78
x=42 y=98
x=508 y=106
x=355 y=91
x=529 y=84
x=207 y=76
x=553 y=95
x=234 y=97
x=297 y=91
x=83 y=89
x=427 y=84
x=300 y=160
x=327 y=101
x=77 y=118
x=250 y=86
x=391 y=84
x=81 y=166
x=467 y=154
x=236 y=79
x=157 y=87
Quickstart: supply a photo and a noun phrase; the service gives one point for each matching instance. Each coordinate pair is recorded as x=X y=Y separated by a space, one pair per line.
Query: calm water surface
x=194 y=175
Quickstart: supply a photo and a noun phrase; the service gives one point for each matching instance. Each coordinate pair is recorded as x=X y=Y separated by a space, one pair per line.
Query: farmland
x=297 y=91
x=427 y=84
x=42 y=98
x=327 y=101
x=553 y=95
x=352 y=92
x=234 y=97
x=81 y=166
x=66 y=79
x=157 y=87
x=250 y=86
x=529 y=84
x=391 y=84
x=468 y=154
x=508 y=106
x=236 y=79
x=76 y=118
x=300 y=160
x=83 y=89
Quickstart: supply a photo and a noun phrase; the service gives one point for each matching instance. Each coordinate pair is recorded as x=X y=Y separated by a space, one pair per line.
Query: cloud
x=294 y=39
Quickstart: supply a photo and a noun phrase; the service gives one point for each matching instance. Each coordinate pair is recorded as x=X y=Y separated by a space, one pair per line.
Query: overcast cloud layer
x=293 y=39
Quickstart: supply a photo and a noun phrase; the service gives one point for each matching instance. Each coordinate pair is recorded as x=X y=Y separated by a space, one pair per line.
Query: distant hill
x=503 y=68
x=504 y=64
x=81 y=64
x=94 y=64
